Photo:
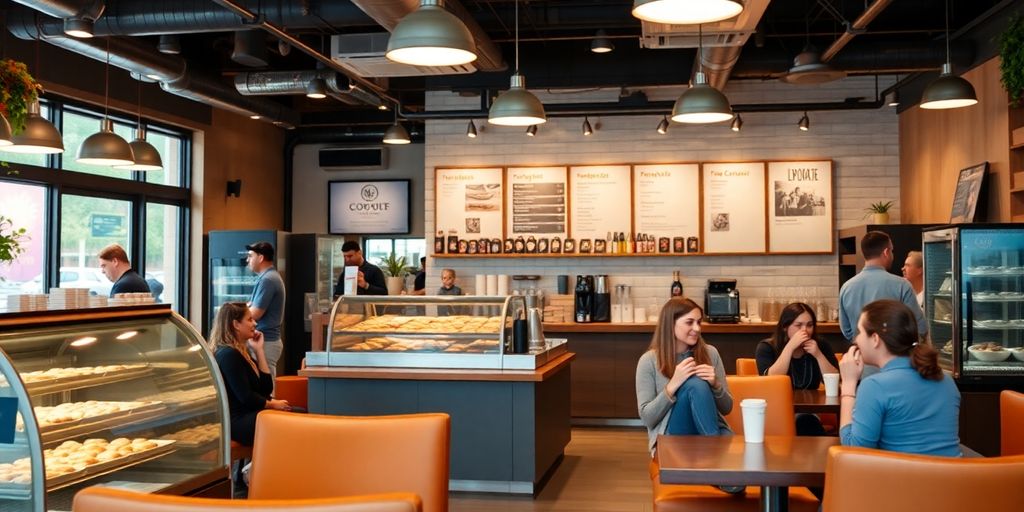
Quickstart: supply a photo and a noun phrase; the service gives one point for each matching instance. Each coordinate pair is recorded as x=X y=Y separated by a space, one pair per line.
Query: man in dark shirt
x=115 y=265
x=370 y=280
x=419 y=286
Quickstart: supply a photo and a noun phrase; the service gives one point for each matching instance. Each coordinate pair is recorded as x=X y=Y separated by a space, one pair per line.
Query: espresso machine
x=722 y=301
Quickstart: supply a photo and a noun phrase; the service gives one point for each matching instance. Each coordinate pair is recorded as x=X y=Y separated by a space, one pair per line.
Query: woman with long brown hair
x=248 y=382
x=680 y=380
x=909 y=406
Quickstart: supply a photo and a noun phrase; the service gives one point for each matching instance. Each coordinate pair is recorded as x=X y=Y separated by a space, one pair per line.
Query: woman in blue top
x=910 y=406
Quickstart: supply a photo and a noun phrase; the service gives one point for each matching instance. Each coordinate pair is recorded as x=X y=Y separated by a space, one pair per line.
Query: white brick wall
x=863 y=145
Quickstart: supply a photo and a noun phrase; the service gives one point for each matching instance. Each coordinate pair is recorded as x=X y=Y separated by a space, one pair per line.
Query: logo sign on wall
x=368 y=207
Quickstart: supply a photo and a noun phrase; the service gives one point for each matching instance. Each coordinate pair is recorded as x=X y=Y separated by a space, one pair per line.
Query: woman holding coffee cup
x=794 y=350
x=910 y=406
x=680 y=381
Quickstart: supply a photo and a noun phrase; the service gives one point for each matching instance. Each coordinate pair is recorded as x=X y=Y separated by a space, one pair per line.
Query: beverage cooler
x=316 y=261
x=974 y=302
x=229 y=277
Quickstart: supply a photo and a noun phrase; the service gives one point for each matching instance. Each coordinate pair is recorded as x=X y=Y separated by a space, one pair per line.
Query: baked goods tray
x=183 y=378
x=63 y=431
x=414 y=334
x=84 y=381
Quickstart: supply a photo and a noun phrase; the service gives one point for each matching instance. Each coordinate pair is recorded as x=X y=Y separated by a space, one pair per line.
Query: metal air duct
x=281 y=83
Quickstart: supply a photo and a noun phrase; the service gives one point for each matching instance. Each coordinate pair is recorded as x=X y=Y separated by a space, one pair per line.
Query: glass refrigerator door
x=230 y=281
x=938 y=294
x=992 y=286
x=329 y=265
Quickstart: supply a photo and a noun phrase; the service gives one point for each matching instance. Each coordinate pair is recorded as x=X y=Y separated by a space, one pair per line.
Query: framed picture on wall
x=800 y=206
x=970 y=185
x=368 y=207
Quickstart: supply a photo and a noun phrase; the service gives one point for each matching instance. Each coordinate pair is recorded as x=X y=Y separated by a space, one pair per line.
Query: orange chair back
x=102 y=499
x=859 y=479
x=294 y=389
x=777 y=390
x=318 y=456
x=746 y=366
x=1011 y=423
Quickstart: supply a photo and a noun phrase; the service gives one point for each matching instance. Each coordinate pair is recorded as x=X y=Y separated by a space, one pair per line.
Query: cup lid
x=753 y=402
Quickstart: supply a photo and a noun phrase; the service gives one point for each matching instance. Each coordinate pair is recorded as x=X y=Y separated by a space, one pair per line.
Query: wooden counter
x=348 y=372
x=647 y=327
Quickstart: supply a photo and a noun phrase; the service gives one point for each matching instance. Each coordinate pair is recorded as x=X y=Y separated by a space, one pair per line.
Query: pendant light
x=737 y=123
x=948 y=91
x=601 y=43
x=702 y=103
x=316 y=89
x=431 y=36
x=686 y=12
x=396 y=134
x=39 y=135
x=105 y=147
x=147 y=158
x=471 y=130
x=517 y=106
x=5 y=131
x=663 y=125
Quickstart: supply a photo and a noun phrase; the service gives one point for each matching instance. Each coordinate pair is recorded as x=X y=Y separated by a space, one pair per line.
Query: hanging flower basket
x=18 y=90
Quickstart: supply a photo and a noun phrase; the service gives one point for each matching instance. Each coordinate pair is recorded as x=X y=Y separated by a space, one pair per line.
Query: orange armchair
x=746 y=366
x=859 y=479
x=1011 y=422
x=777 y=390
x=102 y=499
x=318 y=456
x=294 y=389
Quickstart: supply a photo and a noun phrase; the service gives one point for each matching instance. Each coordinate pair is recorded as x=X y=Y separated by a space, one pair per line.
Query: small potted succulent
x=879 y=212
x=394 y=270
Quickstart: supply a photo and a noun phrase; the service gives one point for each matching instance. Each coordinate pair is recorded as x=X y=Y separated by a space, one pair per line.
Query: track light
x=531 y=130
x=737 y=123
x=316 y=89
x=894 y=98
x=805 y=123
x=601 y=43
x=80 y=27
x=663 y=125
x=471 y=130
x=169 y=44
x=587 y=130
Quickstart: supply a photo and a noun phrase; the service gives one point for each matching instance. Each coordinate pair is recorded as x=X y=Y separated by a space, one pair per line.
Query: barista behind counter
x=370 y=280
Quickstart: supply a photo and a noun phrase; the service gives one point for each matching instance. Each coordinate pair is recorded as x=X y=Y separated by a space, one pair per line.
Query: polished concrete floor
x=603 y=470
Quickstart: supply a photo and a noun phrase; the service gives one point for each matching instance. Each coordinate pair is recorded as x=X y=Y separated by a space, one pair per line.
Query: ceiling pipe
x=869 y=58
x=855 y=28
x=388 y=13
x=281 y=83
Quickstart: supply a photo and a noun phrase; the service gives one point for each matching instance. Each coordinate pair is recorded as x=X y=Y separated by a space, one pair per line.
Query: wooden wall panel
x=936 y=144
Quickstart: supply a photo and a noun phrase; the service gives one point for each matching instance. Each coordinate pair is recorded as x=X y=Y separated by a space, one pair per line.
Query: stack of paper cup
x=492 y=285
x=503 y=284
x=481 y=285
x=753 y=419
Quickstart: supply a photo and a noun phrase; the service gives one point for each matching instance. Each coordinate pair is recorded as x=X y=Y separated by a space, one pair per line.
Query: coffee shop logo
x=369 y=193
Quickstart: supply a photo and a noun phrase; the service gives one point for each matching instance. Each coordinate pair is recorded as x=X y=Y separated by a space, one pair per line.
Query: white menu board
x=469 y=202
x=600 y=200
x=537 y=201
x=734 y=207
x=799 y=197
x=667 y=201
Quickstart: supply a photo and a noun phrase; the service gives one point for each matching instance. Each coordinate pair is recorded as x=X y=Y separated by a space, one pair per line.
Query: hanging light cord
x=946 y=12
x=517 y=36
x=700 y=48
x=139 y=99
x=106 y=85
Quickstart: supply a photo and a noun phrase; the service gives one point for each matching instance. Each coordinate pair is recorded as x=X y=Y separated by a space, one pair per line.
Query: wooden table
x=777 y=464
x=814 y=401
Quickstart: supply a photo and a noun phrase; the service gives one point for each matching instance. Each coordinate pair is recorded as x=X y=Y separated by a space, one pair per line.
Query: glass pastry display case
x=124 y=397
x=431 y=332
x=974 y=299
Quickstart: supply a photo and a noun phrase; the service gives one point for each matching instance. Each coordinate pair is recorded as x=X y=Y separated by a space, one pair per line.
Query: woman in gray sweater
x=680 y=382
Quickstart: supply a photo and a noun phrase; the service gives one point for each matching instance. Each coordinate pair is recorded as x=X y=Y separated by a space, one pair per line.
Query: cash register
x=722 y=301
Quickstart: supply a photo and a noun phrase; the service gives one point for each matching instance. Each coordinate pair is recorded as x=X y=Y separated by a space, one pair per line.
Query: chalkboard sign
x=969 y=187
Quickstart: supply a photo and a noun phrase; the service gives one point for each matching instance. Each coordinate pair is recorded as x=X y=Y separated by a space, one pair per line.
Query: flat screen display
x=368 y=207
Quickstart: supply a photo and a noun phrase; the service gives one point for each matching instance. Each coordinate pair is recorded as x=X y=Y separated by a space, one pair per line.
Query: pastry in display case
x=974 y=299
x=431 y=332
x=125 y=397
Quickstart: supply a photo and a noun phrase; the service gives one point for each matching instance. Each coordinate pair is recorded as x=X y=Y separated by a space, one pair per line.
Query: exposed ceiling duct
x=856 y=27
x=280 y=83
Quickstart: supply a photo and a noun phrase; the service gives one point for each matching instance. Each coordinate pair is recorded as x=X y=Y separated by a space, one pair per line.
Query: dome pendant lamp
x=702 y=103
x=517 y=106
x=396 y=134
x=147 y=158
x=948 y=91
x=38 y=136
x=5 y=131
x=431 y=36
x=105 y=147
x=686 y=12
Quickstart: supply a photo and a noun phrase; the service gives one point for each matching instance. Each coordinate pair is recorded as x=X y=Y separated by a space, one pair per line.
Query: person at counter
x=419 y=285
x=115 y=266
x=680 y=381
x=910 y=406
x=448 y=286
x=371 y=278
x=248 y=382
x=913 y=272
x=794 y=350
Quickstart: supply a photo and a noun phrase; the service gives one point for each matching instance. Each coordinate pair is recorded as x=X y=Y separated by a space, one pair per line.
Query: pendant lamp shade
x=396 y=134
x=105 y=147
x=601 y=43
x=38 y=137
x=517 y=106
x=5 y=131
x=431 y=36
x=948 y=91
x=701 y=104
x=147 y=158
x=686 y=12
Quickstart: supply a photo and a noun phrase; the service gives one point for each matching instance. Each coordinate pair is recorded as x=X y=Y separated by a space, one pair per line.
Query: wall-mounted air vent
x=353 y=159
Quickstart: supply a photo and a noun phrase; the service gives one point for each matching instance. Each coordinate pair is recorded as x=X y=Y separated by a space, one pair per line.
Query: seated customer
x=680 y=381
x=910 y=406
x=247 y=382
x=448 y=286
x=794 y=350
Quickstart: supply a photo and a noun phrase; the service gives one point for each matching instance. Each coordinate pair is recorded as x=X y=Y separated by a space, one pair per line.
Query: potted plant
x=879 y=211
x=11 y=239
x=394 y=269
x=18 y=90
x=1011 y=59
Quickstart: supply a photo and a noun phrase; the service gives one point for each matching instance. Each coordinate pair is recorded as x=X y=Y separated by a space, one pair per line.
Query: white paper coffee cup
x=831 y=384
x=753 y=419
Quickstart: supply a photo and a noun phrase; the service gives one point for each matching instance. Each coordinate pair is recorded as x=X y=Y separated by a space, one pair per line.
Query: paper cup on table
x=831 y=384
x=753 y=419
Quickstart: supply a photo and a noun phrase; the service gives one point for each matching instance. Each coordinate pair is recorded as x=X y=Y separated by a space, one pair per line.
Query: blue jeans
x=694 y=411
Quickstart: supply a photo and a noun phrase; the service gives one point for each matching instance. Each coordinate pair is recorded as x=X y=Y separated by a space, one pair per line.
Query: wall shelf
x=570 y=255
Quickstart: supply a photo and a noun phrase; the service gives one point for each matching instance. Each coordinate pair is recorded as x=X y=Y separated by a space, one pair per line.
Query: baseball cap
x=262 y=248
